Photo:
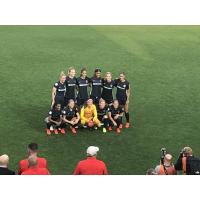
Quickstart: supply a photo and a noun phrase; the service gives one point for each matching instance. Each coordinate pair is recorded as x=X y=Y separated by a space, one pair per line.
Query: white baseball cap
x=92 y=150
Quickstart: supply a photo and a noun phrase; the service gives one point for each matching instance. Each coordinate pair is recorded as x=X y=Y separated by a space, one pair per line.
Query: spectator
x=4 y=161
x=167 y=168
x=32 y=150
x=33 y=168
x=91 y=166
x=186 y=161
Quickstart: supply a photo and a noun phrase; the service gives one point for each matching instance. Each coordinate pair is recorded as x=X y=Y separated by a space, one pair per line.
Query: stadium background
x=161 y=63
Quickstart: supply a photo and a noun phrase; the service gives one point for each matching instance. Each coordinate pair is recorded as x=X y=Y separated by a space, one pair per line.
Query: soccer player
x=54 y=119
x=71 y=116
x=32 y=150
x=70 y=85
x=115 y=115
x=33 y=168
x=102 y=113
x=108 y=84
x=96 y=84
x=58 y=91
x=91 y=166
x=82 y=84
x=123 y=94
x=89 y=114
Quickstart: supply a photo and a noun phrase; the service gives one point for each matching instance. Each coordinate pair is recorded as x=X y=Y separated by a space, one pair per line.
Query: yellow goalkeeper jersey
x=89 y=112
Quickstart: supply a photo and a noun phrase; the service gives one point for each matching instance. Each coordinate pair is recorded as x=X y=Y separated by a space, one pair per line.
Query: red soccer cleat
x=118 y=130
x=109 y=128
x=48 y=132
x=121 y=126
x=62 y=131
x=73 y=130
x=127 y=125
x=56 y=131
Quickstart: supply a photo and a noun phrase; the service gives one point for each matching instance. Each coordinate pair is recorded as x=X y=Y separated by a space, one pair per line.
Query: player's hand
x=58 y=123
x=127 y=102
x=115 y=124
x=116 y=116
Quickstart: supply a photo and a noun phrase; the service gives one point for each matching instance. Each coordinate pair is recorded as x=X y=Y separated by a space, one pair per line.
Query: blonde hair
x=108 y=73
x=70 y=69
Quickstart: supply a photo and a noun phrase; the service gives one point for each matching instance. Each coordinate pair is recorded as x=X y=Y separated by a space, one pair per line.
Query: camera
x=163 y=152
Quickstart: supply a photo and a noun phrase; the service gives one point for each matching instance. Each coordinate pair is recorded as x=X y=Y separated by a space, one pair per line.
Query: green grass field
x=162 y=64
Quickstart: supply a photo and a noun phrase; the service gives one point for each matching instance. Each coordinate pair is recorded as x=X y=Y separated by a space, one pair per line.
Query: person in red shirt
x=91 y=166
x=32 y=150
x=33 y=168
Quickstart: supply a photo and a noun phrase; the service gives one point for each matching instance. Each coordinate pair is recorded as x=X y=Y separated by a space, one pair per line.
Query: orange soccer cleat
x=121 y=126
x=48 y=131
x=118 y=130
x=56 y=131
x=127 y=125
x=73 y=130
x=62 y=131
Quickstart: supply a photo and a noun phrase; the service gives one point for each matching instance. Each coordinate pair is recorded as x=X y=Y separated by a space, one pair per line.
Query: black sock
x=127 y=116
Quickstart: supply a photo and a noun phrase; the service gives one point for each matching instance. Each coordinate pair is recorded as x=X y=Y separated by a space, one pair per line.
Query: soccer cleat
x=104 y=130
x=73 y=130
x=118 y=130
x=109 y=128
x=127 y=125
x=121 y=126
x=48 y=132
x=56 y=131
x=62 y=131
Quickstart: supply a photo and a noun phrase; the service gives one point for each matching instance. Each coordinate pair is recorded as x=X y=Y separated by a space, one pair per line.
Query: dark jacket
x=6 y=171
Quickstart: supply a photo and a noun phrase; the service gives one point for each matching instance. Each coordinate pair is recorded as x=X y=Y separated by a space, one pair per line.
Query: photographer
x=166 y=167
x=187 y=163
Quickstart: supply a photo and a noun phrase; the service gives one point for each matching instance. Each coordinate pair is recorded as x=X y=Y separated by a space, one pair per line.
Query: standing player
x=58 y=91
x=108 y=85
x=70 y=85
x=54 y=119
x=89 y=114
x=82 y=84
x=123 y=94
x=96 y=83
x=115 y=115
x=71 y=116
x=102 y=113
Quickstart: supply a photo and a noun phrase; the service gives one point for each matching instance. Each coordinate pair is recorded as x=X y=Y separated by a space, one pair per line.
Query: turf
x=161 y=63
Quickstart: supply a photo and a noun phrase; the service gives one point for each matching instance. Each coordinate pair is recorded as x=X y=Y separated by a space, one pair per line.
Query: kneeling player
x=102 y=113
x=70 y=116
x=89 y=115
x=54 y=119
x=115 y=115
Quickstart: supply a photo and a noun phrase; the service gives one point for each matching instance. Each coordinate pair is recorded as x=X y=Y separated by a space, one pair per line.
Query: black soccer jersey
x=70 y=88
x=96 y=84
x=101 y=112
x=107 y=90
x=70 y=112
x=60 y=88
x=55 y=114
x=115 y=111
x=122 y=87
x=83 y=87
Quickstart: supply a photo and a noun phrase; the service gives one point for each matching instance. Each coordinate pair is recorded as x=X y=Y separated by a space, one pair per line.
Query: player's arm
x=53 y=94
x=95 y=112
x=111 y=119
x=51 y=120
x=128 y=93
x=82 y=115
x=78 y=116
x=121 y=112
x=65 y=120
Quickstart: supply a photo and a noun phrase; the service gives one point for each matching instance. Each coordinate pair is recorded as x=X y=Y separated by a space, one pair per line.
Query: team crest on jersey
x=124 y=86
x=56 y=84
